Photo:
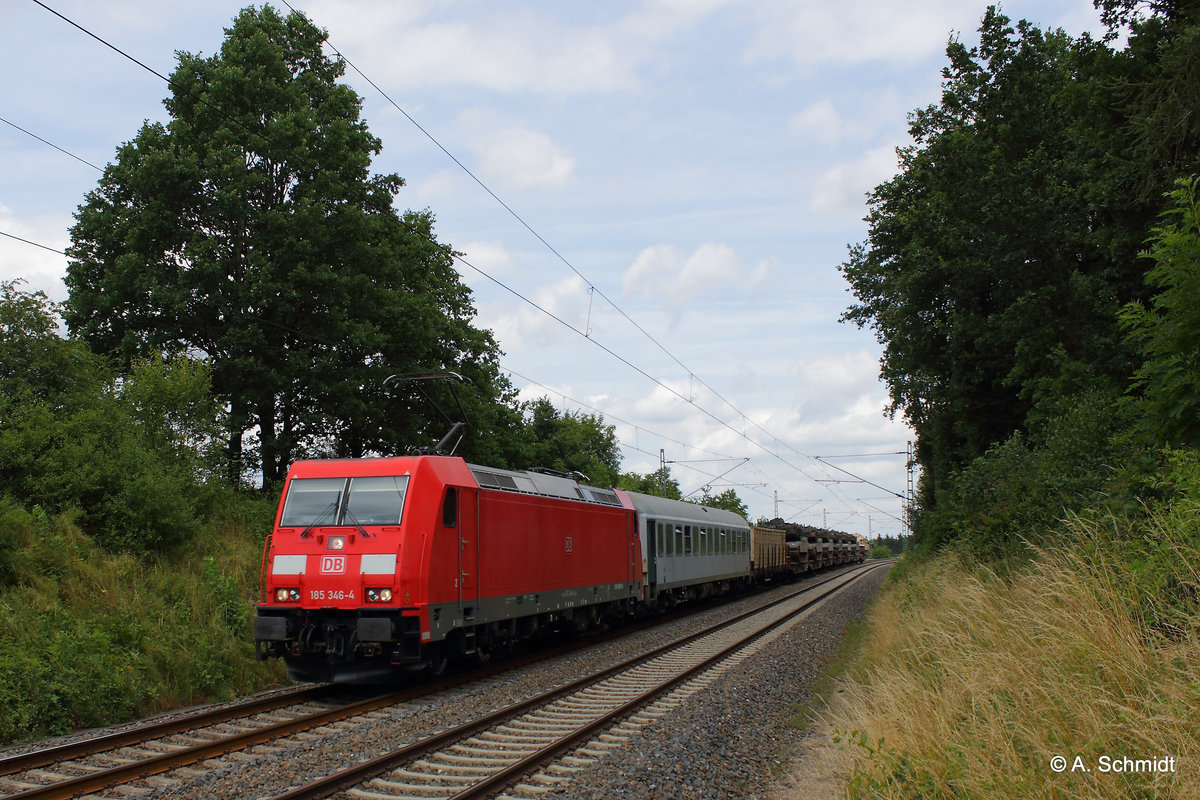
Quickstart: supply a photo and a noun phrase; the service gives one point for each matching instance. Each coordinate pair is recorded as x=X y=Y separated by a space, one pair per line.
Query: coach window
x=678 y=540
x=450 y=508
x=687 y=540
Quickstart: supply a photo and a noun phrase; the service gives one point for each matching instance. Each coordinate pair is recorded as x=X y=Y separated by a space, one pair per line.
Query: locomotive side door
x=465 y=516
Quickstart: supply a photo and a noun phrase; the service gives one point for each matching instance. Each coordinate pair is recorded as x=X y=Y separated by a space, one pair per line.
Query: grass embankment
x=971 y=682
x=88 y=637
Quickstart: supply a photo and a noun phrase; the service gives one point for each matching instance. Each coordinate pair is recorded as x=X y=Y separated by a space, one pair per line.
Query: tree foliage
x=991 y=273
x=659 y=483
x=1000 y=257
x=727 y=500
x=568 y=442
x=124 y=454
x=250 y=231
x=1167 y=332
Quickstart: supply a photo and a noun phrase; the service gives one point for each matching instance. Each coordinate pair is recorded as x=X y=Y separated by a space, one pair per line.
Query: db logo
x=569 y=543
x=333 y=565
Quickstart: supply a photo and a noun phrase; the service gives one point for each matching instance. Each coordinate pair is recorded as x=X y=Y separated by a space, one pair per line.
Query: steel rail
x=142 y=733
x=157 y=764
x=371 y=768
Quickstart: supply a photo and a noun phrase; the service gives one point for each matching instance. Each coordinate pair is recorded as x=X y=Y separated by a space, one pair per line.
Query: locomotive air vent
x=492 y=479
x=604 y=496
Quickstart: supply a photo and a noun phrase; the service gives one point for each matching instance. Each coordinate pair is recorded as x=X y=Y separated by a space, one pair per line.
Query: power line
x=51 y=144
x=592 y=287
x=743 y=460
x=102 y=41
x=35 y=244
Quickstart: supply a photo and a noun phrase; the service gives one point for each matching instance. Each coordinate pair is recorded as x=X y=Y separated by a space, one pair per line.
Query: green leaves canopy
x=994 y=270
x=248 y=230
x=1167 y=332
x=123 y=455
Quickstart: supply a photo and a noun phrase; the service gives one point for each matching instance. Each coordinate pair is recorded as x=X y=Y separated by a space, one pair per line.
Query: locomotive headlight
x=336 y=543
x=287 y=595
x=379 y=595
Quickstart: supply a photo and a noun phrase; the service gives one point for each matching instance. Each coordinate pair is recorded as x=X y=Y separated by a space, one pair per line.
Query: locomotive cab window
x=376 y=501
x=342 y=501
x=312 y=501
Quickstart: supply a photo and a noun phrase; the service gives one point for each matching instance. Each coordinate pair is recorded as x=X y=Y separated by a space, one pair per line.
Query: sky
x=682 y=181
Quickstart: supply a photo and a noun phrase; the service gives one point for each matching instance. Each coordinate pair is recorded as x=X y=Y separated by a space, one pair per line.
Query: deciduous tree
x=249 y=230
x=999 y=256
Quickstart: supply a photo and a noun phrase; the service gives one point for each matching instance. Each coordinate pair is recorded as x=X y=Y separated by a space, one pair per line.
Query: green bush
x=1021 y=489
x=130 y=453
x=880 y=551
x=91 y=637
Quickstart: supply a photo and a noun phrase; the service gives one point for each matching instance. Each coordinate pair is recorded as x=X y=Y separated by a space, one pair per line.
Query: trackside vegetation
x=89 y=636
x=241 y=290
x=1033 y=272
x=971 y=682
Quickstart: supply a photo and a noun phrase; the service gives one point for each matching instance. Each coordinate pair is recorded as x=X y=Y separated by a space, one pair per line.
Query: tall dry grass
x=971 y=683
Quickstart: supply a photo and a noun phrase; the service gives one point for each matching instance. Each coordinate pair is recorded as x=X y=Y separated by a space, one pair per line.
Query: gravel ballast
x=726 y=742
x=732 y=740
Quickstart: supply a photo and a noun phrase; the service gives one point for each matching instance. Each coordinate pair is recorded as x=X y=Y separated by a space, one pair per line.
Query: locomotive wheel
x=438 y=660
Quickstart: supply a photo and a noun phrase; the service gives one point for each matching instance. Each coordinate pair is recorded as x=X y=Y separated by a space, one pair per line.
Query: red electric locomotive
x=389 y=564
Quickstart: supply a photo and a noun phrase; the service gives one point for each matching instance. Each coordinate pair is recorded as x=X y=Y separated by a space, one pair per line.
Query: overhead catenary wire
x=664 y=437
x=35 y=244
x=51 y=144
x=592 y=288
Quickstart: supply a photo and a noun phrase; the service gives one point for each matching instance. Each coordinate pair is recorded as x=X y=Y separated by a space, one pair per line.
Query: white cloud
x=841 y=190
x=491 y=257
x=824 y=32
x=506 y=50
x=820 y=123
x=523 y=159
x=663 y=272
x=41 y=269
x=519 y=326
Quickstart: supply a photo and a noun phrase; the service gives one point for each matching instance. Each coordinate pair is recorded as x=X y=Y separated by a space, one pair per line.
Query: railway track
x=87 y=765
x=537 y=743
x=471 y=760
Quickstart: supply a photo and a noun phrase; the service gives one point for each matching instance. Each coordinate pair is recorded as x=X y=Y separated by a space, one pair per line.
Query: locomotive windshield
x=344 y=501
